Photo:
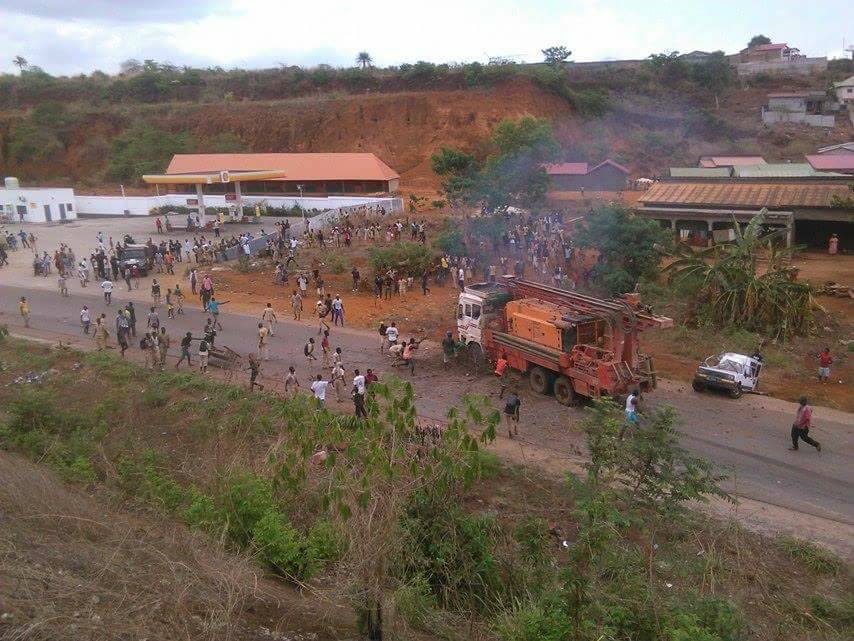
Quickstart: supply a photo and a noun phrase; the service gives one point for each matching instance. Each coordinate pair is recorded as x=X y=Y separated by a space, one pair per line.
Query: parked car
x=735 y=373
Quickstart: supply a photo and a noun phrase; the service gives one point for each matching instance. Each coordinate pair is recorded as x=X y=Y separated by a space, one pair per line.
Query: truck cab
x=140 y=256
x=476 y=304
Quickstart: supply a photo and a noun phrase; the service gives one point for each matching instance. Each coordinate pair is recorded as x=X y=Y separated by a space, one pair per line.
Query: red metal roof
x=770 y=47
x=831 y=162
x=567 y=169
x=308 y=166
x=738 y=194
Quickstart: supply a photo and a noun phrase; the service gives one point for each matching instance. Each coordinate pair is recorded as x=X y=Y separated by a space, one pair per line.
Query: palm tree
x=20 y=62
x=364 y=59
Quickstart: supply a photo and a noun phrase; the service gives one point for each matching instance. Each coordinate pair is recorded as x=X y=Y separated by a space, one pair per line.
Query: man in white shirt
x=359 y=394
x=107 y=286
x=268 y=316
x=318 y=388
x=391 y=334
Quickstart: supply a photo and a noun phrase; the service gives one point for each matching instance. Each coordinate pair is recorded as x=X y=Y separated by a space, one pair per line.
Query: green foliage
x=837 y=612
x=450 y=240
x=537 y=622
x=336 y=265
x=669 y=68
x=556 y=55
x=585 y=102
x=282 y=547
x=29 y=142
x=142 y=149
x=410 y=259
x=734 y=292
x=813 y=557
x=759 y=40
x=415 y=604
x=225 y=142
x=627 y=246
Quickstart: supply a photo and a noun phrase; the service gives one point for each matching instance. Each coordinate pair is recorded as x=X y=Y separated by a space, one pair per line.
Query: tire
x=736 y=391
x=540 y=380
x=565 y=392
x=698 y=386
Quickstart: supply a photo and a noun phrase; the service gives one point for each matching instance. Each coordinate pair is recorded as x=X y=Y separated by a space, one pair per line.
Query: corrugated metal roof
x=700 y=172
x=730 y=161
x=775 y=170
x=831 y=162
x=610 y=162
x=847 y=146
x=739 y=194
x=308 y=166
x=566 y=169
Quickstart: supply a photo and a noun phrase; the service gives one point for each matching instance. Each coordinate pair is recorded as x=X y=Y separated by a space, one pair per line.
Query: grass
x=811 y=556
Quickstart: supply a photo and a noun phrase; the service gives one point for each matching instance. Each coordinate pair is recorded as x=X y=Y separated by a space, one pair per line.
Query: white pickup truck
x=735 y=373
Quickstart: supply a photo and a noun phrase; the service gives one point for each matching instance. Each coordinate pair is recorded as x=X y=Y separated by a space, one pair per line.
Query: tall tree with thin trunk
x=364 y=59
x=21 y=63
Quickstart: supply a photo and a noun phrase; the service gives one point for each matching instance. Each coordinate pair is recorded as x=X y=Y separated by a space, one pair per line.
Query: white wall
x=141 y=205
x=770 y=117
x=800 y=66
x=35 y=200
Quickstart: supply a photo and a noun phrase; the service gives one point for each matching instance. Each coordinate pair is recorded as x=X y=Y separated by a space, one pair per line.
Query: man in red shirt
x=501 y=373
x=801 y=426
x=825 y=360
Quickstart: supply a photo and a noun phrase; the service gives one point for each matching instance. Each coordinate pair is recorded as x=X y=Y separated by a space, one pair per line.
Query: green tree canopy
x=759 y=40
x=556 y=55
x=627 y=246
x=142 y=149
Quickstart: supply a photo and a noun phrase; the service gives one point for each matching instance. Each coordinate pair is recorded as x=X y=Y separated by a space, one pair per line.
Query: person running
x=185 y=350
x=24 y=310
x=268 y=316
x=170 y=305
x=254 y=371
x=408 y=354
x=318 y=388
x=291 y=381
x=296 y=305
x=107 y=286
x=449 y=348
x=308 y=351
x=359 y=387
x=85 y=319
x=825 y=360
x=512 y=405
x=263 y=342
x=801 y=426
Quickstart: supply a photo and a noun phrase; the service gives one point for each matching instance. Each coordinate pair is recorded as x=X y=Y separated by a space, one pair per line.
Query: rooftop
x=847 y=146
x=799 y=94
x=700 y=172
x=848 y=82
x=609 y=162
x=730 y=161
x=775 y=170
x=733 y=193
x=308 y=166
x=770 y=47
x=567 y=169
x=831 y=162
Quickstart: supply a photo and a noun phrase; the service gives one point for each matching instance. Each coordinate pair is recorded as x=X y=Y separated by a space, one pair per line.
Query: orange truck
x=569 y=344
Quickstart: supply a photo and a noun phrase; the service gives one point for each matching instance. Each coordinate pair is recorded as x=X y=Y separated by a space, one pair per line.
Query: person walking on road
x=107 y=286
x=825 y=360
x=85 y=319
x=163 y=343
x=324 y=349
x=268 y=317
x=308 y=351
x=337 y=380
x=203 y=357
x=296 y=305
x=338 y=311
x=359 y=386
x=24 y=309
x=101 y=333
x=185 y=350
x=801 y=426
x=155 y=292
x=512 y=404
x=291 y=382
x=131 y=310
x=213 y=308
x=254 y=371
x=263 y=342
x=153 y=320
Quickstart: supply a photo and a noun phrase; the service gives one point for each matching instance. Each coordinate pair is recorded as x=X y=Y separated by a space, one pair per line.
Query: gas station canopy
x=210 y=178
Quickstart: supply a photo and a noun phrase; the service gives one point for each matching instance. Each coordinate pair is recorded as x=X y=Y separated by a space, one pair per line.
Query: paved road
x=747 y=437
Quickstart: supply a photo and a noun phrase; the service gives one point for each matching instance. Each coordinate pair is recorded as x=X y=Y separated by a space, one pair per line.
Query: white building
x=36 y=204
x=845 y=91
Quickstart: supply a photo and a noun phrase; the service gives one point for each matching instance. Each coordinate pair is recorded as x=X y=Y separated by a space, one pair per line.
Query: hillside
x=648 y=125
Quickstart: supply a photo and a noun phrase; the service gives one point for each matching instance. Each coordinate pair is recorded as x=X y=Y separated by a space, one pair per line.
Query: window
x=468 y=310
x=460 y=311
x=68 y=207
x=475 y=311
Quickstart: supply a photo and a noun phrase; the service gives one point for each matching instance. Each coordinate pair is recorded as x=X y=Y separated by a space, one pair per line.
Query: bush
x=409 y=259
x=813 y=557
x=282 y=547
x=549 y=622
x=142 y=149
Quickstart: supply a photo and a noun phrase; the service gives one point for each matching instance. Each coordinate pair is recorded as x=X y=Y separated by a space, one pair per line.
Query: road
x=803 y=493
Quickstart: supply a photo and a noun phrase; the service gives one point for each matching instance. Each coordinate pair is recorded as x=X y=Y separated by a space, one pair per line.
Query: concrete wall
x=787 y=104
x=38 y=205
x=770 y=117
x=799 y=67
x=142 y=205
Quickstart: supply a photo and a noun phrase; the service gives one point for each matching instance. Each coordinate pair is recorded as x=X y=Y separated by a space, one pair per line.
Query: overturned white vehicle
x=735 y=373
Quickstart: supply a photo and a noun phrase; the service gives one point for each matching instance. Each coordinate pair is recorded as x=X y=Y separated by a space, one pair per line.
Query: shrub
x=815 y=558
x=415 y=604
x=282 y=547
x=409 y=259
x=549 y=622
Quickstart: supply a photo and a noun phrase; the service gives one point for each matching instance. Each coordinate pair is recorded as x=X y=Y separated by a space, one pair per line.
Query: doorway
x=47 y=215
x=62 y=211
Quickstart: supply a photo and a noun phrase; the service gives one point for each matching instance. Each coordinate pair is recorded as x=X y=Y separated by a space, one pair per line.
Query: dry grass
x=71 y=568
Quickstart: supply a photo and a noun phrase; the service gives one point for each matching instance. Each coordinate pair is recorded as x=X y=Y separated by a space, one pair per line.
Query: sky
x=67 y=37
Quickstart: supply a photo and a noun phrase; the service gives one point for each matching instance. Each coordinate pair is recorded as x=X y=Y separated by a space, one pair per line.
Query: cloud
x=117 y=10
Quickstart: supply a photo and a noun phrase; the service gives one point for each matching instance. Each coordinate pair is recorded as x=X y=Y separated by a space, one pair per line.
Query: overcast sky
x=72 y=36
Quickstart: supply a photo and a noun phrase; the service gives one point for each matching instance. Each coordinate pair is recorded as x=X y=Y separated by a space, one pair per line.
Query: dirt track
x=803 y=493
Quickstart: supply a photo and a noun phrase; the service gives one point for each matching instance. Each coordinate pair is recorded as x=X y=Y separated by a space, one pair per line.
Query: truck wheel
x=736 y=391
x=540 y=380
x=698 y=386
x=564 y=391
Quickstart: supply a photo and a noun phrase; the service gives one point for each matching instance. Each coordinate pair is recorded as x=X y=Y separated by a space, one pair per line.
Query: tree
x=130 y=66
x=364 y=59
x=21 y=63
x=556 y=55
x=715 y=74
x=759 y=40
x=730 y=289
x=142 y=149
x=626 y=246
x=669 y=67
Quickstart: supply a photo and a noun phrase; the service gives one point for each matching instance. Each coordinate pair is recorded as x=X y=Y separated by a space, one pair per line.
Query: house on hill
x=732 y=160
x=845 y=91
x=777 y=52
x=806 y=107
x=578 y=176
